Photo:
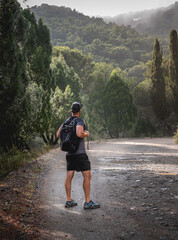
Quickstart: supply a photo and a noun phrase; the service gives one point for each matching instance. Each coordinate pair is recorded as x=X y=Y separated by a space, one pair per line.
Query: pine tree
x=173 y=68
x=158 y=98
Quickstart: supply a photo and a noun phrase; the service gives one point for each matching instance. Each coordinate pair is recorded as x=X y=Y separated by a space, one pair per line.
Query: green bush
x=13 y=160
x=176 y=136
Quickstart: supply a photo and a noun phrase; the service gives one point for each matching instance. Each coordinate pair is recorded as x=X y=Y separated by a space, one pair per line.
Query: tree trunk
x=44 y=139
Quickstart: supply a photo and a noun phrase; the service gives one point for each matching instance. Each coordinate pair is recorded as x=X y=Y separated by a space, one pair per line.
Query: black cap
x=76 y=106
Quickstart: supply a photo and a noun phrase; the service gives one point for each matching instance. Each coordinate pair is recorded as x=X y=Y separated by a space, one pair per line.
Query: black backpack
x=69 y=139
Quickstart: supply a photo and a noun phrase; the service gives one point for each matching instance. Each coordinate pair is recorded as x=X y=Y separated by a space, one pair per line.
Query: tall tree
x=13 y=78
x=41 y=74
x=119 y=108
x=158 y=97
x=173 y=68
x=94 y=100
x=31 y=40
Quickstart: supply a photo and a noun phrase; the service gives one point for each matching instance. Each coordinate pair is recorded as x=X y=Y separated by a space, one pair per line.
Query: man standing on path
x=78 y=161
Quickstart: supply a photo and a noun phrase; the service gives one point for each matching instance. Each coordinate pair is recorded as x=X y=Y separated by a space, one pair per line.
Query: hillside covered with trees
x=120 y=45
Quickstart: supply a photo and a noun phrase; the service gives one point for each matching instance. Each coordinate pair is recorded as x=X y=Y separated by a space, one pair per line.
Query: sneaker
x=70 y=204
x=91 y=205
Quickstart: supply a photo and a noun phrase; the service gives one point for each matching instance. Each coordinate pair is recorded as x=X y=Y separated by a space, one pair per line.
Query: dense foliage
x=29 y=81
x=13 y=77
x=125 y=94
x=119 y=108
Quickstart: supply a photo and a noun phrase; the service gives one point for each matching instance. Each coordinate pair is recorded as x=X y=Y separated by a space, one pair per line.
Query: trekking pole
x=86 y=128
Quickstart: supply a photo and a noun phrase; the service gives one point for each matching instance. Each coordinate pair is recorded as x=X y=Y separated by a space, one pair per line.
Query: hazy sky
x=104 y=7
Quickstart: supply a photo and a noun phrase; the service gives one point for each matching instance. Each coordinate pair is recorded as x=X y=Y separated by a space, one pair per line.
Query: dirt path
x=134 y=180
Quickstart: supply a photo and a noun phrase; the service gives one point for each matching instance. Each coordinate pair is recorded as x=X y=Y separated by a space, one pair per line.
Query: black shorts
x=79 y=162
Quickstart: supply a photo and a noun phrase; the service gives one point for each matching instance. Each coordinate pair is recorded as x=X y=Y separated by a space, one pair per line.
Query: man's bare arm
x=80 y=132
x=58 y=132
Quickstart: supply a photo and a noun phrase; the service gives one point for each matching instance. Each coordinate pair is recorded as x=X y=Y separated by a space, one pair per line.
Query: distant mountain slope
x=157 y=21
x=119 y=45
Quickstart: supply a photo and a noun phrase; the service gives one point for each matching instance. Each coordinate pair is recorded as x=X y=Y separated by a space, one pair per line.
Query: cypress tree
x=118 y=106
x=12 y=72
x=41 y=74
x=158 y=97
x=173 y=68
x=31 y=40
x=98 y=81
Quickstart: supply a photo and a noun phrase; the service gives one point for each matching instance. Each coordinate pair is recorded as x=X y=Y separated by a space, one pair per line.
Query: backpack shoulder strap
x=67 y=121
x=75 y=120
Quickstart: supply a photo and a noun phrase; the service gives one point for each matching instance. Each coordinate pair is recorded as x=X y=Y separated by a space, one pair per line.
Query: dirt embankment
x=134 y=180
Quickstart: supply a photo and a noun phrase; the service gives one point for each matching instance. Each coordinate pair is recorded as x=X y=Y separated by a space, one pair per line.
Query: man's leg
x=86 y=184
x=68 y=183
